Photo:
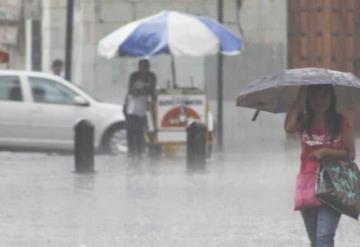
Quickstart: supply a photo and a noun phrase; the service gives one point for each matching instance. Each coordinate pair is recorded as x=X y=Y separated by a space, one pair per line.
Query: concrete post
x=196 y=146
x=84 y=147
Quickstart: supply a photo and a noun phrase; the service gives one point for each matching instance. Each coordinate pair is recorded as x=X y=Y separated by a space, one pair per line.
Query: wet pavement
x=239 y=200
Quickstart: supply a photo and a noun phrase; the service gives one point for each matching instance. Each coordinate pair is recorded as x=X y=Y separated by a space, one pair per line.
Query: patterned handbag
x=338 y=186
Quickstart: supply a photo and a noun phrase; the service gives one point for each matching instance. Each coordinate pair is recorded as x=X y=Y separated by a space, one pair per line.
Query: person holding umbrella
x=324 y=133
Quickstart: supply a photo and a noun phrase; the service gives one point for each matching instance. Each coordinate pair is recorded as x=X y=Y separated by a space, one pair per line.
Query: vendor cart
x=169 y=115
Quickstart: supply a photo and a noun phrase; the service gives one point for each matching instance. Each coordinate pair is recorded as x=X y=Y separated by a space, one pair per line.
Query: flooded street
x=108 y=76
x=240 y=200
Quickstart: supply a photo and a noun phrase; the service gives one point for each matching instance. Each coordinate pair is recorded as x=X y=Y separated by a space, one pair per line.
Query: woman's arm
x=340 y=154
x=292 y=120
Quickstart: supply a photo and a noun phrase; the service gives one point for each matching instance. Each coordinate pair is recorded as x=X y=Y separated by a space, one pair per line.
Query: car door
x=15 y=112
x=54 y=113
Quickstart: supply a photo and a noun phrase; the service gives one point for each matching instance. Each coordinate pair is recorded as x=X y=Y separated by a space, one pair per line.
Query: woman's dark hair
x=333 y=118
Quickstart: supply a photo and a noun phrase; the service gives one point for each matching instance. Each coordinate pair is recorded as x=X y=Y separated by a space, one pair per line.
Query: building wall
x=264 y=27
x=12 y=33
x=53 y=31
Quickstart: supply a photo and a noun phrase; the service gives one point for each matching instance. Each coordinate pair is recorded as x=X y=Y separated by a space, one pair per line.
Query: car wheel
x=115 y=142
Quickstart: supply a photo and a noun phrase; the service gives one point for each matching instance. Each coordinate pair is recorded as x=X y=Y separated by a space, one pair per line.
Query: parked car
x=39 y=111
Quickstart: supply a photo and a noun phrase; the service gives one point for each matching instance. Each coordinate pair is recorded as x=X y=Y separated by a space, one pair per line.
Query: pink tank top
x=320 y=139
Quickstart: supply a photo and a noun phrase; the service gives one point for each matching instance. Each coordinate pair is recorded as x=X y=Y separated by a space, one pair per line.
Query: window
x=10 y=89
x=51 y=92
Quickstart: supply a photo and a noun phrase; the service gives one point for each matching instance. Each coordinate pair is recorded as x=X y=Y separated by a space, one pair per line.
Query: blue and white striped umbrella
x=173 y=33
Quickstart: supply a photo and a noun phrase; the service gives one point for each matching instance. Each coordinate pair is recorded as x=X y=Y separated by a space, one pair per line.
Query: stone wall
x=264 y=25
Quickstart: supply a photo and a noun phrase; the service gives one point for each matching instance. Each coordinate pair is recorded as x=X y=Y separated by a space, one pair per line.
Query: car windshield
x=51 y=92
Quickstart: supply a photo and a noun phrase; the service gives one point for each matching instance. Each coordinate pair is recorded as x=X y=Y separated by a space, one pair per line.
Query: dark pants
x=321 y=224
x=135 y=134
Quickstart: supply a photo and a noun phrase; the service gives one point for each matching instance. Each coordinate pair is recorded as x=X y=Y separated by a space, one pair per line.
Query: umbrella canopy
x=172 y=33
x=276 y=93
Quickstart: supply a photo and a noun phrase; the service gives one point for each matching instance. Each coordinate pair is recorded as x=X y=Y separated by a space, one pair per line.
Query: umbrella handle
x=255 y=115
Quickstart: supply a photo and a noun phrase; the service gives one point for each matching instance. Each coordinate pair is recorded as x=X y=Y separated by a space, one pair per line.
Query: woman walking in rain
x=324 y=133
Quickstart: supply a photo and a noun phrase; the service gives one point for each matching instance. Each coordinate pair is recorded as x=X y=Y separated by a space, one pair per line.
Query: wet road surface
x=239 y=200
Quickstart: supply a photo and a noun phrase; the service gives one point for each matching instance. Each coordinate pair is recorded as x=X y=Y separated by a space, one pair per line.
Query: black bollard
x=84 y=147
x=196 y=146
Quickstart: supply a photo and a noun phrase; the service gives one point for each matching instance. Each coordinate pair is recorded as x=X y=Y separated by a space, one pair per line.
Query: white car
x=39 y=111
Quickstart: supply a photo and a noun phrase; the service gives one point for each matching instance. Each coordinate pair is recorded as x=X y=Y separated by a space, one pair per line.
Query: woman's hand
x=293 y=121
